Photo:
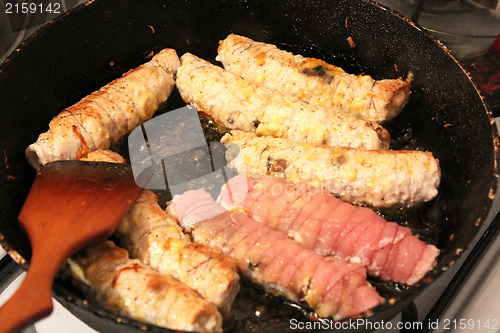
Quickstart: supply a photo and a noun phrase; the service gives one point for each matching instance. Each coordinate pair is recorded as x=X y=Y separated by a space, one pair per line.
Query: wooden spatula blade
x=71 y=204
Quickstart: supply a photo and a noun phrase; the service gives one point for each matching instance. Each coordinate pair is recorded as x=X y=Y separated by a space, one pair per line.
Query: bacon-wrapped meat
x=380 y=178
x=240 y=104
x=133 y=289
x=102 y=118
x=330 y=286
x=313 y=80
x=319 y=221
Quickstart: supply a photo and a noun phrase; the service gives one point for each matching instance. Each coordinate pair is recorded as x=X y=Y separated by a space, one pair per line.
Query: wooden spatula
x=70 y=205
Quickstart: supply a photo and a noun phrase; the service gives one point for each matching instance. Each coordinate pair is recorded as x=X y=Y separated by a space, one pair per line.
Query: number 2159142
x=471 y=324
x=31 y=7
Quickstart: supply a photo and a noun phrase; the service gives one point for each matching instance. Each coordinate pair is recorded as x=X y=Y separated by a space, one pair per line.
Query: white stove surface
x=2 y=252
x=60 y=321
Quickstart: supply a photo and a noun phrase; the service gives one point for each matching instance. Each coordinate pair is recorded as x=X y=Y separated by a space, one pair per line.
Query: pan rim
x=419 y=287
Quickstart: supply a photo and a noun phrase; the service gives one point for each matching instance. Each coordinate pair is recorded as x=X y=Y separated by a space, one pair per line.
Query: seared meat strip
x=319 y=221
x=156 y=239
x=102 y=118
x=130 y=288
x=314 y=81
x=240 y=104
x=102 y=155
x=381 y=178
x=330 y=286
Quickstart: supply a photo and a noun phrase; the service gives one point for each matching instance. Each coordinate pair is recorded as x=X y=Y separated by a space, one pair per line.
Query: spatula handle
x=32 y=300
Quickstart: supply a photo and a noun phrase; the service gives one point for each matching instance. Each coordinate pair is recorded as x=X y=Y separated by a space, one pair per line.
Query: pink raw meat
x=264 y=254
x=321 y=222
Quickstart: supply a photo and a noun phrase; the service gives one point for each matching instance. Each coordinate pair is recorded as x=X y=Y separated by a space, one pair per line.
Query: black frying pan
x=82 y=51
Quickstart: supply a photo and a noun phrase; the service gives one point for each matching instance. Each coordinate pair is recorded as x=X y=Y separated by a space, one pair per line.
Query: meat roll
x=157 y=240
x=239 y=104
x=313 y=80
x=102 y=118
x=330 y=286
x=319 y=221
x=380 y=178
x=130 y=288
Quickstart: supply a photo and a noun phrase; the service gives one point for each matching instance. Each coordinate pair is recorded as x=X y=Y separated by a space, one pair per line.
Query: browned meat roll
x=380 y=178
x=314 y=81
x=240 y=104
x=102 y=118
x=133 y=289
x=155 y=238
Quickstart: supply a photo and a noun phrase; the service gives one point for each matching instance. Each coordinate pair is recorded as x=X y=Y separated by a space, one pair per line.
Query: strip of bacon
x=330 y=286
x=319 y=221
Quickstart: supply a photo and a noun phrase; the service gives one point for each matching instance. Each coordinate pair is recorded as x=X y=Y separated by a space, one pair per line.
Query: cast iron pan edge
x=106 y=322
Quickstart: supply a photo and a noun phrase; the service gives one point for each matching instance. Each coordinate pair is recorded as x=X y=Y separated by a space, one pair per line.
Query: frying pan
x=98 y=41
